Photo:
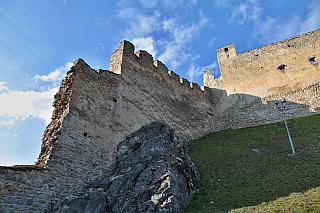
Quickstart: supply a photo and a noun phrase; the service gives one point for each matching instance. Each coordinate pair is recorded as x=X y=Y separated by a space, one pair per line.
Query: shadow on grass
x=233 y=176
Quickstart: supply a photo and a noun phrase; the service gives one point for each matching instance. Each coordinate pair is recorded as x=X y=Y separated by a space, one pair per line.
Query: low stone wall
x=24 y=190
x=242 y=110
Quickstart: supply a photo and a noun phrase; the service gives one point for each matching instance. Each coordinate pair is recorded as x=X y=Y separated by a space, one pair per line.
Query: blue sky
x=40 y=40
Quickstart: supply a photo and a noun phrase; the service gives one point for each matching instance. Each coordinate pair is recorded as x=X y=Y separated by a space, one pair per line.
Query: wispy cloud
x=148 y=3
x=176 y=51
x=196 y=71
x=145 y=44
x=174 y=45
x=273 y=29
x=249 y=10
x=6 y=122
x=137 y=23
x=3 y=87
x=222 y=3
x=239 y=14
x=212 y=42
x=101 y=46
x=169 y=4
x=101 y=21
x=21 y=105
x=312 y=21
x=268 y=29
x=56 y=75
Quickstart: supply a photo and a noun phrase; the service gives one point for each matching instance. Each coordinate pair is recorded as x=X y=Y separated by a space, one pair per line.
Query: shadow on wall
x=242 y=110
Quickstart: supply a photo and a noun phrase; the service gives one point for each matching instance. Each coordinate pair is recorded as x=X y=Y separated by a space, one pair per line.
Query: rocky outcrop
x=151 y=173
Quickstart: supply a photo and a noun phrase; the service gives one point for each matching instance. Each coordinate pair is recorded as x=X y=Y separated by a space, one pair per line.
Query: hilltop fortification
x=101 y=118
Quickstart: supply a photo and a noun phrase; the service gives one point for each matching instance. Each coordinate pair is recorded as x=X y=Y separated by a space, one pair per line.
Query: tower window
x=226 y=50
x=313 y=59
x=282 y=67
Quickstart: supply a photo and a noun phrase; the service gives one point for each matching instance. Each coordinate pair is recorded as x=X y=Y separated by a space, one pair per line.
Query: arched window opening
x=226 y=50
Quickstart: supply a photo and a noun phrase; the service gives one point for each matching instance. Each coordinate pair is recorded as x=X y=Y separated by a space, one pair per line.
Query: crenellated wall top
x=126 y=53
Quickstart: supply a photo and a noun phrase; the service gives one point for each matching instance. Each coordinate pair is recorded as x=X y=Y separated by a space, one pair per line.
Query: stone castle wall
x=250 y=82
x=94 y=111
x=259 y=72
x=150 y=92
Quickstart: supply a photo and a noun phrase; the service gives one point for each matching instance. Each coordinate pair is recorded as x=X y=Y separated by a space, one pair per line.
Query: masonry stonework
x=285 y=66
x=250 y=82
x=96 y=110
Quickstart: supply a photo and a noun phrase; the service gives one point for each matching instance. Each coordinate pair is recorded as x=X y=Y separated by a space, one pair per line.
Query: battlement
x=226 y=53
x=127 y=55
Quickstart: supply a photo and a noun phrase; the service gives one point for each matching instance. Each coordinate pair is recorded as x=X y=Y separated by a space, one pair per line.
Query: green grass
x=233 y=178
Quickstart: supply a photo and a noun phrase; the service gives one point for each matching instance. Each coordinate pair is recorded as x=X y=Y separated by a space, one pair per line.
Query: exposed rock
x=151 y=173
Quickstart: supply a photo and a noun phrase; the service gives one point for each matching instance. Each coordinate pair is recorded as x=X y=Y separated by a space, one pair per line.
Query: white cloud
x=184 y=33
x=313 y=18
x=255 y=13
x=101 y=22
x=222 y=3
x=127 y=13
x=148 y=3
x=176 y=50
x=101 y=46
x=249 y=10
x=169 y=24
x=170 y=4
x=6 y=122
x=139 y=24
x=196 y=71
x=2 y=86
x=239 y=14
x=145 y=44
x=212 y=42
x=173 y=54
x=175 y=44
x=21 y=105
x=274 y=29
x=56 y=75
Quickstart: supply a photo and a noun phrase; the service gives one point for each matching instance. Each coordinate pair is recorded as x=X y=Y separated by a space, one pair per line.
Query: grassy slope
x=235 y=178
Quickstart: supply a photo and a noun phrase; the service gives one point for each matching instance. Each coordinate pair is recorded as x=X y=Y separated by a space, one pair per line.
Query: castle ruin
x=96 y=110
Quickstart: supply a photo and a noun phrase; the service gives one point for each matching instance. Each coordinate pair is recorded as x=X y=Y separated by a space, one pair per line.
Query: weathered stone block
x=10 y=199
